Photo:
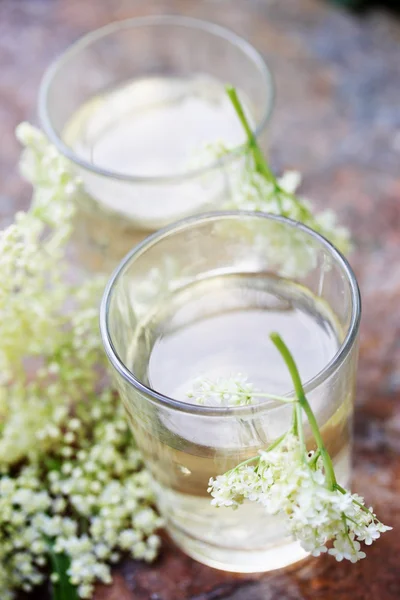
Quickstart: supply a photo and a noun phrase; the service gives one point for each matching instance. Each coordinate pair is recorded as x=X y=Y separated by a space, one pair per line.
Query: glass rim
x=181 y=406
x=85 y=41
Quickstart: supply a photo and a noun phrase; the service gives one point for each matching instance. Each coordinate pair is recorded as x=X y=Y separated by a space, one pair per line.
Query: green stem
x=257 y=457
x=63 y=589
x=298 y=386
x=265 y=395
x=276 y=442
x=261 y=164
x=346 y=529
x=258 y=156
x=340 y=489
x=313 y=460
x=300 y=430
x=257 y=395
x=295 y=422
x=272 y=446
x=245 y=462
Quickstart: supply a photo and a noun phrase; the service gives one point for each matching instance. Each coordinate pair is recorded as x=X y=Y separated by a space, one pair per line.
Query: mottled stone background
x=337 y=119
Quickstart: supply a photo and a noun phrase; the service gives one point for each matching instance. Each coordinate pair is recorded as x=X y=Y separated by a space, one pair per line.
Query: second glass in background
x=132 y=105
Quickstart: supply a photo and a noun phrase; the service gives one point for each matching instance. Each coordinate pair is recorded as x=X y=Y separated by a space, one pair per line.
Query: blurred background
x=336 y=119
x=337 y=74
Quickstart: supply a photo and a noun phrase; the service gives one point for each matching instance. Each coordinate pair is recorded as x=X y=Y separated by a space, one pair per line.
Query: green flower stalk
x=302 y=403
x=257 y=188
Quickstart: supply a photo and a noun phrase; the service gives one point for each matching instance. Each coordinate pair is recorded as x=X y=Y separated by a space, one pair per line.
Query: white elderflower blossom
x=283 y=482
x=31 y=251
x=301 y=486
x=252 y=191
x=254 y=187
x=234 y=391
x=288 y=253
x=71 y=478
x=227 y=391
x=33 y=507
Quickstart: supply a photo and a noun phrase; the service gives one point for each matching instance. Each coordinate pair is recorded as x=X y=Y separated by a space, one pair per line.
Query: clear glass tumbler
x=200 y=298
x=133 y=105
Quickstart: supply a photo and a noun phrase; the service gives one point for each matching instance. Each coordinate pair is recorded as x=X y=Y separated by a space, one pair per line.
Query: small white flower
x=57 y=419
x=290 y=181
x=233 y=391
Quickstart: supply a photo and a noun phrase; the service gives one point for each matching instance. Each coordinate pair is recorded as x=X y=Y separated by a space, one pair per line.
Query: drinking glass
x=200 y=298
x=132 y=106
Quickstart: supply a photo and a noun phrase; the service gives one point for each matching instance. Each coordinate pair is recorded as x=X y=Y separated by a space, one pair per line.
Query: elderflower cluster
x=254 y=192
x=286 y=483
x=74 y=496
x=233 y=391
x=31 y=252
x=287 y=251
x=251 y=191
x=85 y=508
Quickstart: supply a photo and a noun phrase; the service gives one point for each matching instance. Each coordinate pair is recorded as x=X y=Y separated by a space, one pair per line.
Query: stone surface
x=337 y=119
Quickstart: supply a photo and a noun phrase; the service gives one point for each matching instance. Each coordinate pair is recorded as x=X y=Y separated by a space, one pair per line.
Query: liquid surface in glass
x=220 y=327
x=153 y=126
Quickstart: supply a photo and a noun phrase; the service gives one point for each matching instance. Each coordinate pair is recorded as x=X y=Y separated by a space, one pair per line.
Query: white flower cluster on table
x=72 y=485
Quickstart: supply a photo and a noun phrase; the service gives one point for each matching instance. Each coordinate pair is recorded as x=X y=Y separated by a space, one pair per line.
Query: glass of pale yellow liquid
x=199 y=299
x=133 y=106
